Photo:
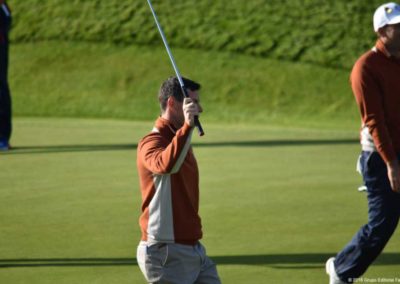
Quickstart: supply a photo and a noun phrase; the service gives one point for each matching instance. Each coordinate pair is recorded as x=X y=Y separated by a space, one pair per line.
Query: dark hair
x=171 y=87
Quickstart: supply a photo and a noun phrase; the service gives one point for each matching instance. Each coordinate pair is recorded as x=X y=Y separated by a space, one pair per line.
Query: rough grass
x=327 y=33
x=77 y=79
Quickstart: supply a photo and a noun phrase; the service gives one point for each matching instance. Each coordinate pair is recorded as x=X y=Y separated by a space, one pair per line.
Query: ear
x=170 y=102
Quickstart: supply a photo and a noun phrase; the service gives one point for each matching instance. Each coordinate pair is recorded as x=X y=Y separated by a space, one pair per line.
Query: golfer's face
x=393 y=34
x=194 y=95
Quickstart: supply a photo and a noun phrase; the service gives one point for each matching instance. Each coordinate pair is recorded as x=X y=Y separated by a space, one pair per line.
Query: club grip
x=198 y=125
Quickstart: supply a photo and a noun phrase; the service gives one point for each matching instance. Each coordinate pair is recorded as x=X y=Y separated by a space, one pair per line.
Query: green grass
x=325 y=33
x=275 y=202
x=278 y=180
x=72 y=79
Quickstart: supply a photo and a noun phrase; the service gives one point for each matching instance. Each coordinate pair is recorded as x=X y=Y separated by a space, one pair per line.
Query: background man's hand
x=394 y=175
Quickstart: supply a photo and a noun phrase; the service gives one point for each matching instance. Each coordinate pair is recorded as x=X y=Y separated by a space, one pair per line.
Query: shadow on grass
x=278 y=143
x=117 y=147
x=295 y=261
x=284 y=261
x=68 y=148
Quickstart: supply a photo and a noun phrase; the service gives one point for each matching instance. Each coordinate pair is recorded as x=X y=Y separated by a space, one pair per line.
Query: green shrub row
x=329 y=33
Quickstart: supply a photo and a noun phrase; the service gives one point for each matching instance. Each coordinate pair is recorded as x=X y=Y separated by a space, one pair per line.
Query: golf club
x=178 y=75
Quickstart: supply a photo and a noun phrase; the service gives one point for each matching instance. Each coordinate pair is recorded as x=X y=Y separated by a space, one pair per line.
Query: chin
x=180 y=122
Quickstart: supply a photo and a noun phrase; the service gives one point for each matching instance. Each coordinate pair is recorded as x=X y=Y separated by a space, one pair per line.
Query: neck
x=395 y=53
x=392 y=49
x=167 y=116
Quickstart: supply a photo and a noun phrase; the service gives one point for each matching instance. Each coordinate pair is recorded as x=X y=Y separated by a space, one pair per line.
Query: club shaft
x=171 y=57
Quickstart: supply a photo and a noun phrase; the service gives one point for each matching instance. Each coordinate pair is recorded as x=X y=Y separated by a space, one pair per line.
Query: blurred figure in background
x=5 y=98
x=376 y=87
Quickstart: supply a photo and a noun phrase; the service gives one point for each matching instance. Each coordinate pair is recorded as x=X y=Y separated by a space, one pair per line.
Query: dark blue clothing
x=5 y=97
x=383 y=217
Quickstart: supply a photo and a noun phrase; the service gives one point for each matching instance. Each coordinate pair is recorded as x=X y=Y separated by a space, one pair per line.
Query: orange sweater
x=169 y=183
x=375 y=80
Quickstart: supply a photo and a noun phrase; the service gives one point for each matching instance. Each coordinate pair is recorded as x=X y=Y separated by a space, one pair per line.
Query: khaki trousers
x=170 y=263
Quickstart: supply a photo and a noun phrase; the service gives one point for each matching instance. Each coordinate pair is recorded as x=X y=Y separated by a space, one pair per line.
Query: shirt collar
x=381 y=47
x=163 y=124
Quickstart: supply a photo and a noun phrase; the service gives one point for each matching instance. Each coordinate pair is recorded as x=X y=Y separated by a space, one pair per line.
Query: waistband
x=367 y=143
x=149 y=243
x=368 y=148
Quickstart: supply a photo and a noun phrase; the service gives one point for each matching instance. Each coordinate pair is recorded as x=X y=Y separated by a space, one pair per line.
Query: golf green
x=276 y=202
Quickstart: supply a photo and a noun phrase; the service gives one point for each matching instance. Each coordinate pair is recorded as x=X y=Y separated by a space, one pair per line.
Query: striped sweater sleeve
x=161 y=156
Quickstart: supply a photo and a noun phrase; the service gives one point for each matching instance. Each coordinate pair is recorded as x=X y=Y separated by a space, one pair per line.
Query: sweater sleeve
x=162 y=157
x=368 y=95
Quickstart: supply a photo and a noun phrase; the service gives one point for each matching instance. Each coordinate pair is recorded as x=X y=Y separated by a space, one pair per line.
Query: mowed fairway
x=275 y=202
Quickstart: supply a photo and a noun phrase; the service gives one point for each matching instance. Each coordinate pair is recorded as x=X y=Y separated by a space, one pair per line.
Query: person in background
x=5 y=97
x=376 y=87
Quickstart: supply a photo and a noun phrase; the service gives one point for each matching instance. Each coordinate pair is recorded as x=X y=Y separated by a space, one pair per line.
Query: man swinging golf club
x=170 y=251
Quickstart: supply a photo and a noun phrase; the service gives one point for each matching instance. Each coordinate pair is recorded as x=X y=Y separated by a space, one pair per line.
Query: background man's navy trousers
x=383 y=216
